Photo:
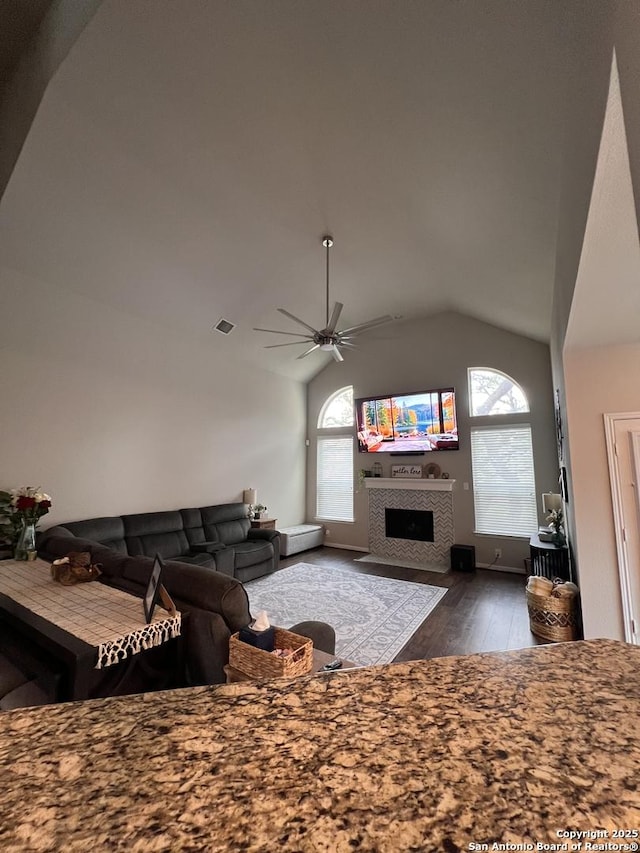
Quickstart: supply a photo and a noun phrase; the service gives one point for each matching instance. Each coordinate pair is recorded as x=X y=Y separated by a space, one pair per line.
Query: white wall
x=599 y=380
x=113 y=415
x=435 y=353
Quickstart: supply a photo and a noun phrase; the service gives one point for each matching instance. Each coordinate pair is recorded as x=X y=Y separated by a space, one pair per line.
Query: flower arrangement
x=555 y=520
x=30 y=504
x=20 y=511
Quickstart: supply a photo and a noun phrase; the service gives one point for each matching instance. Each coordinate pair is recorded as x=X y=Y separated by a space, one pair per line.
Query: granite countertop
x=419 y=756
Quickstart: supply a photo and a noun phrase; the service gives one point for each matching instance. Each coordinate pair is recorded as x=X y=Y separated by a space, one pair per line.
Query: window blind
x=334 y=491
x=504 y=492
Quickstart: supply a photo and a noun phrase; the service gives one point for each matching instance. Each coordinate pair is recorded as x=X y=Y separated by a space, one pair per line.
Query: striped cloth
x=107 y=618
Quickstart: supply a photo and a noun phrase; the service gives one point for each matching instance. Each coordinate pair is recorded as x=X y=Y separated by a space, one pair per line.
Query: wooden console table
x=86 y=627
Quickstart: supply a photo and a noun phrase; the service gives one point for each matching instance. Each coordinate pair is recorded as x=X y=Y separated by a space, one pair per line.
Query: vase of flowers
x=259 y=510
x=555 y=520
x=29 y=505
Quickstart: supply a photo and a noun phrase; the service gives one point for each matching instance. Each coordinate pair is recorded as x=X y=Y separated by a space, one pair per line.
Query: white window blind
x=504 y=490
x=334 y=493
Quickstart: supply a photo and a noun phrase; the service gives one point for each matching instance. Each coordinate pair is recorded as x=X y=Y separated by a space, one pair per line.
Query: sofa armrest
x=225 y=560
x=62 y=543
x=257 y=533
x=272 y=536
x=207 y=589
x=207 y=547
x=206 y=638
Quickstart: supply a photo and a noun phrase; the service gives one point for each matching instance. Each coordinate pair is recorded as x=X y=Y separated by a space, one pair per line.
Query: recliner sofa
x=207 y=552
x=218 y=537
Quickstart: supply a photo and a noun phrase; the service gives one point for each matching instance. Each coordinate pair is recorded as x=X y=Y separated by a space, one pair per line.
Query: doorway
x=622 y=433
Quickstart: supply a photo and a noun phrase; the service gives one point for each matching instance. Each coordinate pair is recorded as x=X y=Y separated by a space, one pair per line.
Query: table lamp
x=250 y=496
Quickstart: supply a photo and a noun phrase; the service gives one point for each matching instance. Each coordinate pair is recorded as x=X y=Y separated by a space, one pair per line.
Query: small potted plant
x=259 y=510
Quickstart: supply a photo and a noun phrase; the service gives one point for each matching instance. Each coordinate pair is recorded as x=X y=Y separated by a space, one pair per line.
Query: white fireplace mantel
x=413 y=485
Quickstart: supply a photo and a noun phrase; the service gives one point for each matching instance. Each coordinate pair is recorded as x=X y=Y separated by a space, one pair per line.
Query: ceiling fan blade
x=362 y=327
x=278 y=332
x=333 y=322
x=335 y=352
x=288 y=344
x=298 y=320
x=316 y=346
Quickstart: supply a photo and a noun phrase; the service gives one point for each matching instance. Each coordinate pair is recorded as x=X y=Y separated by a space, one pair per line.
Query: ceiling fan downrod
x=327 y=242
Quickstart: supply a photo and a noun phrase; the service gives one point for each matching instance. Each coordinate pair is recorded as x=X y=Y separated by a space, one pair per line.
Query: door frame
x=610 y=421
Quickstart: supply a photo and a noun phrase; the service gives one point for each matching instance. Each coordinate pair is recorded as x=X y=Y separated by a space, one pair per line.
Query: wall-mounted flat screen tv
x=408 y=423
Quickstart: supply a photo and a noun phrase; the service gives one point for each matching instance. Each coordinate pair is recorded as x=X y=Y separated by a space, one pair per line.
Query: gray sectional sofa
x=219 y=537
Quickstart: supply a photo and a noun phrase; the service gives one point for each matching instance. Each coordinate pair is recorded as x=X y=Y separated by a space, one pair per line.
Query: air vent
x=224 y=326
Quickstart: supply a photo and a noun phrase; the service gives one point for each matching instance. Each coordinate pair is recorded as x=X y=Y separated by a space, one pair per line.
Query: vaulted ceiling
x=188 y=156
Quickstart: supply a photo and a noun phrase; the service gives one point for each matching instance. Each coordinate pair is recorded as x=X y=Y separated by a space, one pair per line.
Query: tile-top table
x=87 y=626
x=517 y=747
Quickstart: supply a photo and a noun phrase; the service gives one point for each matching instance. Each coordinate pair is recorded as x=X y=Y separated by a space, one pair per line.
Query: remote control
x=334 y=664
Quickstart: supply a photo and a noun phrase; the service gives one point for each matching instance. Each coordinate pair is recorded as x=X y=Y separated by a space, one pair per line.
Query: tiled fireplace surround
x=433 y=495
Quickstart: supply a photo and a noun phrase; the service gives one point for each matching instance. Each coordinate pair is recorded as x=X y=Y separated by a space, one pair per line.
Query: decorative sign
x=407 y=471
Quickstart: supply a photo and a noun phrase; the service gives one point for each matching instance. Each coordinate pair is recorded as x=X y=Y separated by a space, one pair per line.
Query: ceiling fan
x=329 y=339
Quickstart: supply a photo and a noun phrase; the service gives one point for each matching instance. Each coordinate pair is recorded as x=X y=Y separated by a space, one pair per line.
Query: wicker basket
x=552 y=618
x=260 y=664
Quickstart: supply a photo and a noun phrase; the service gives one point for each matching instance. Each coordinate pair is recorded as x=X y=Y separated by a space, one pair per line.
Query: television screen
x=408 y=423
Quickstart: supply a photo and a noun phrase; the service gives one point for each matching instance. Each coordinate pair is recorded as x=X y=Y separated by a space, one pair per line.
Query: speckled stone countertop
x=422 y=756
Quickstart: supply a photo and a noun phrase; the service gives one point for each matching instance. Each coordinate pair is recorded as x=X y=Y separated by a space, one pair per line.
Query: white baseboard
x=511 y=569
x=346 y=547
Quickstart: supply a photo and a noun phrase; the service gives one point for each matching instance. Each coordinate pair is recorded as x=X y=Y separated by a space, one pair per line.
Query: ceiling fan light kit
x=330 y=339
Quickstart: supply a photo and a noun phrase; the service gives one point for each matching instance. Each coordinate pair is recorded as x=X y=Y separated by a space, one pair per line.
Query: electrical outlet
x=497 y=553
x=327 y=532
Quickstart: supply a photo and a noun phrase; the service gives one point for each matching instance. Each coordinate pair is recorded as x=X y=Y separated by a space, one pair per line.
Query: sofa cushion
x=151 y=533
x=251 y=552
x=225 y=522
x=108 y=531
x=192 y=522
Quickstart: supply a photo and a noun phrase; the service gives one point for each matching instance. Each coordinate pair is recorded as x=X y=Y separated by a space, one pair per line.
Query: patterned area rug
x=373 y=617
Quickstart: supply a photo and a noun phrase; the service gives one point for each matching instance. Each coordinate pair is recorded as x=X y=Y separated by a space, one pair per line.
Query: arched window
x=504 y=489
x=334 y=479
x=492 y=392
x=337 y=410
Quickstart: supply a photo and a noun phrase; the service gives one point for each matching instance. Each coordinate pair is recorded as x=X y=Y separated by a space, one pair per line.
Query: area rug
x=373 y=617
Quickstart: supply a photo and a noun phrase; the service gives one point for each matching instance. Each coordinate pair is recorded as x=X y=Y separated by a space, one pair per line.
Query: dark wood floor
x=483 y=611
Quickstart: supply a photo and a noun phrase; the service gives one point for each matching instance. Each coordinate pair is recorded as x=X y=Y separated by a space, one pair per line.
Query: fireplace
x=413 y=524
x=411 y=521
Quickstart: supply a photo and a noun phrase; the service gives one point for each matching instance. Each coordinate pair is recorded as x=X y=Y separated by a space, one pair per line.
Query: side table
x=264 y=523
x=548 y=559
